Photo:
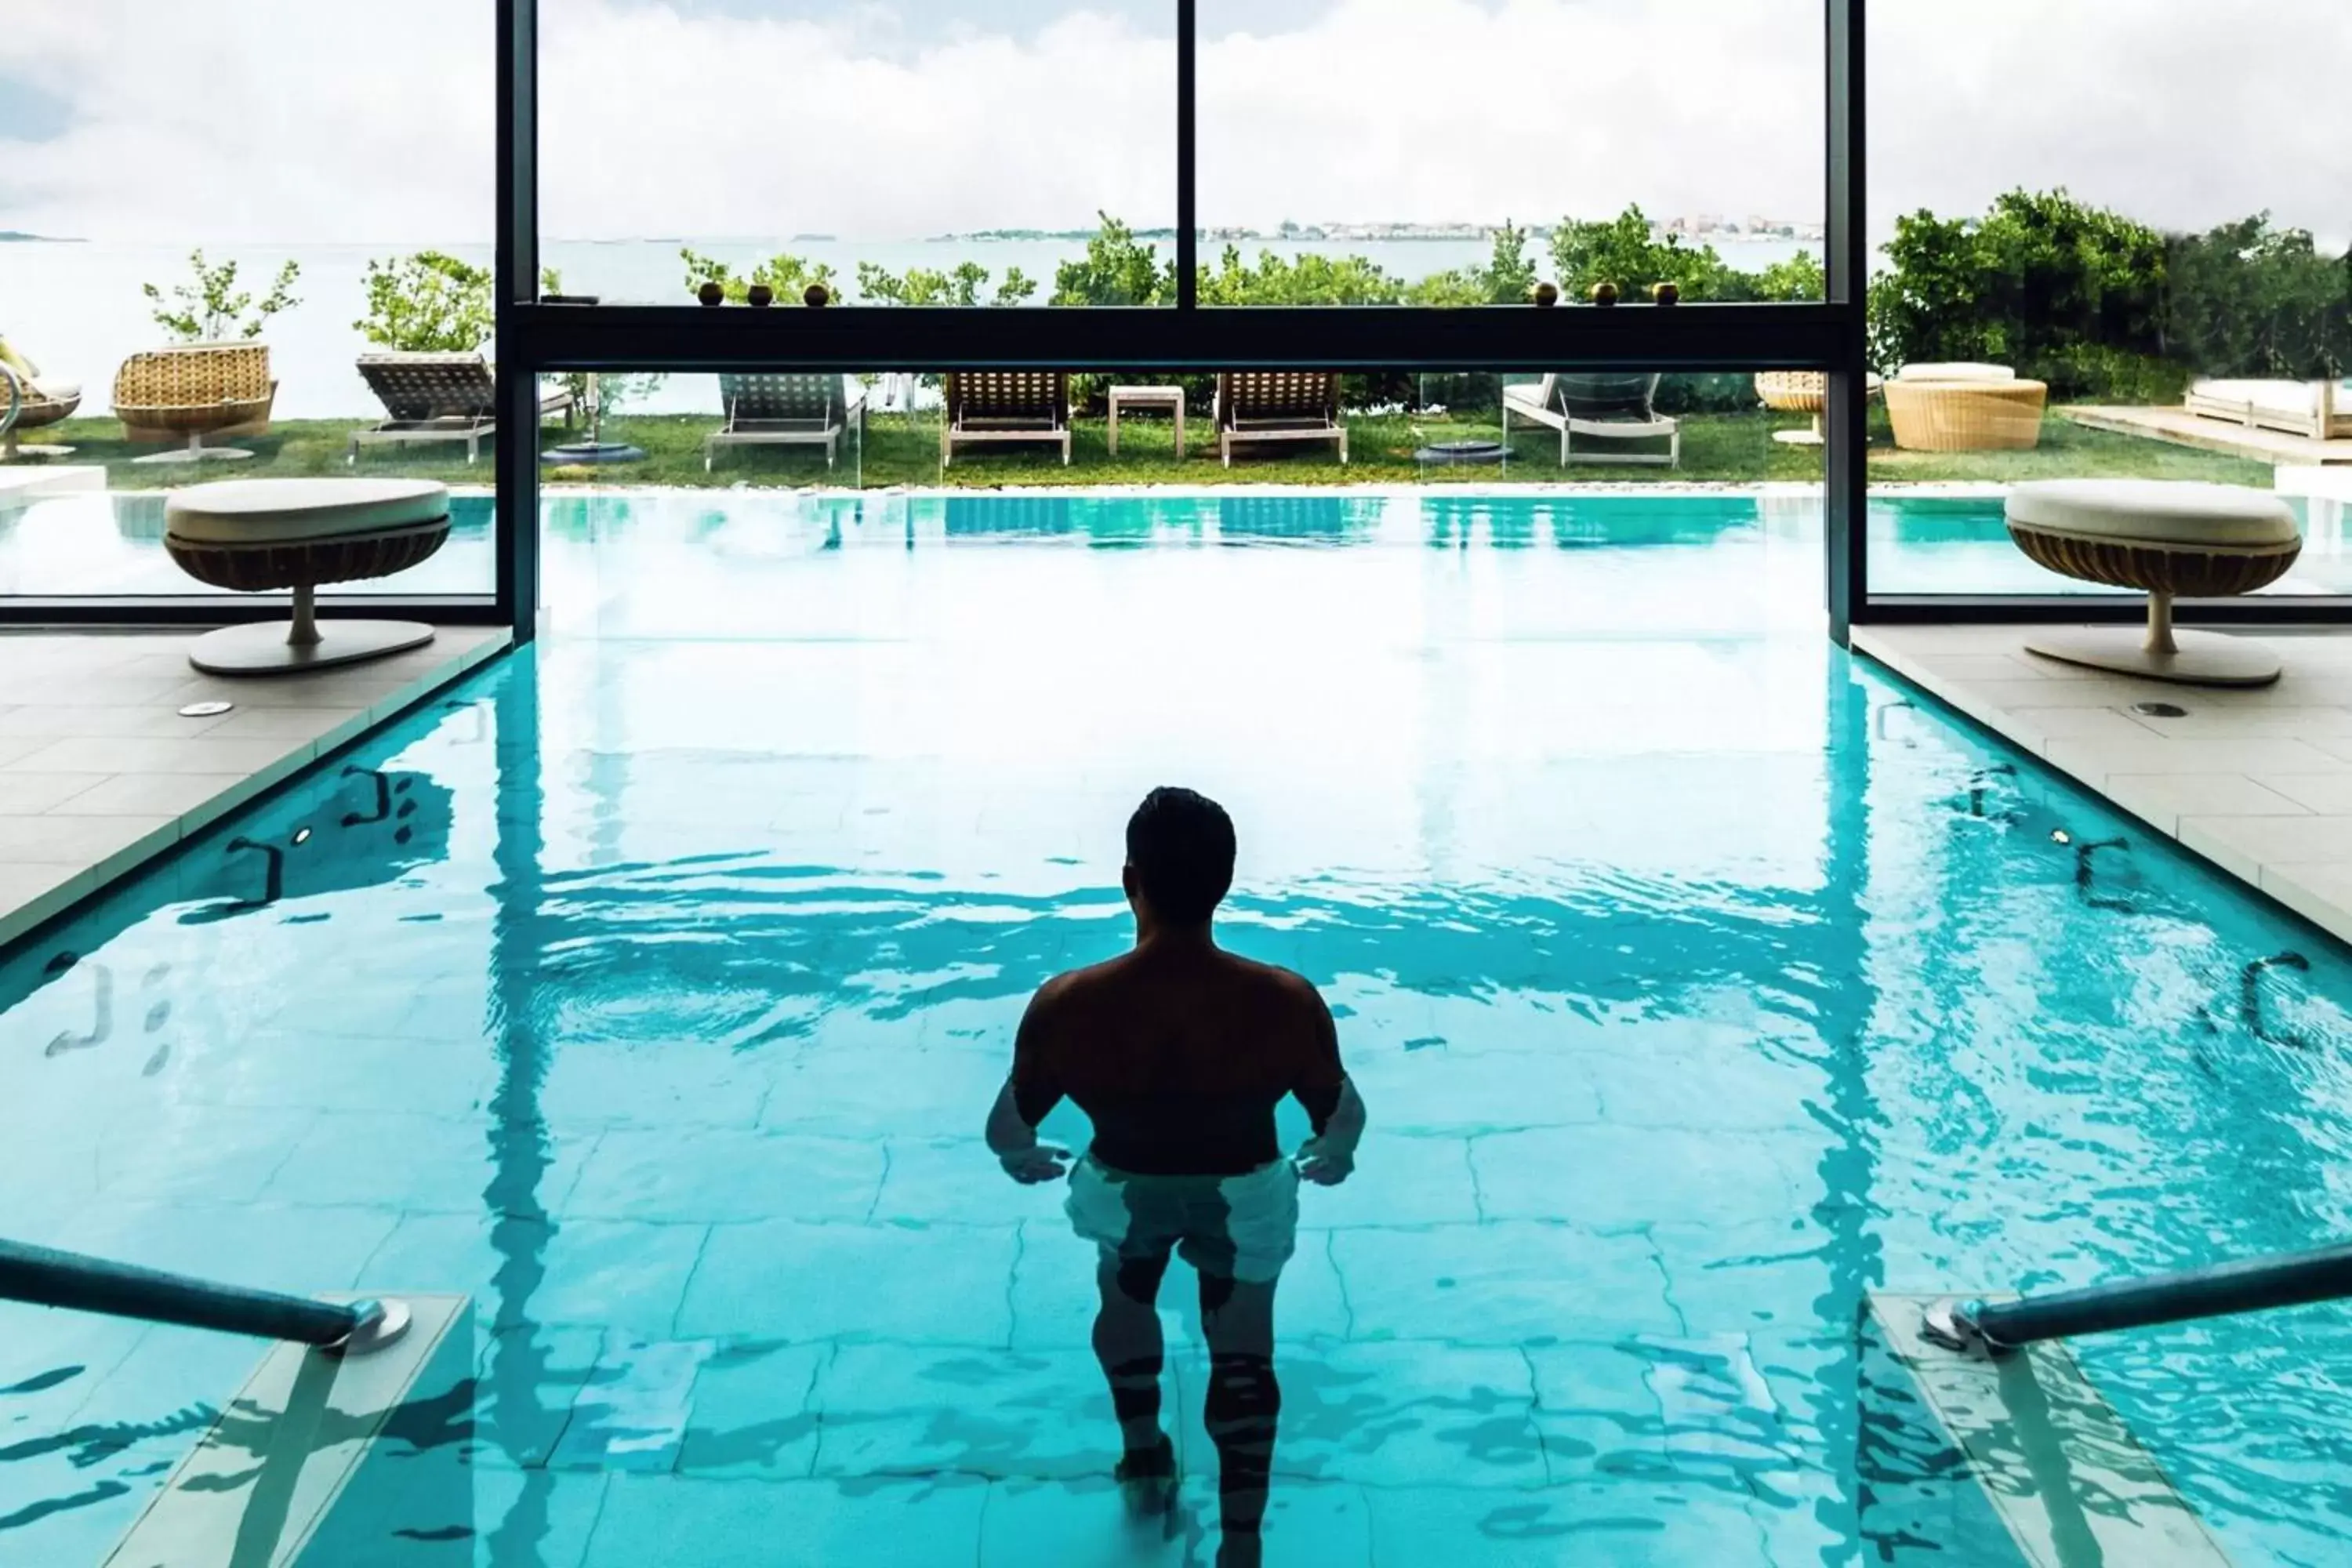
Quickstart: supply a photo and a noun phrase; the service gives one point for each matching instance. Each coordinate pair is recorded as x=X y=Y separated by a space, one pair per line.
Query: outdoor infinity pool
x=652 y=985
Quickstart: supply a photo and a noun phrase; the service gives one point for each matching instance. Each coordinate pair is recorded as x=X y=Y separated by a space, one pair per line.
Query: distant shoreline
x=15 y=236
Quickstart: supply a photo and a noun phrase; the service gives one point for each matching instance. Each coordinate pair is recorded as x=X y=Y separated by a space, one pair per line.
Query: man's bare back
x=1178 y=1053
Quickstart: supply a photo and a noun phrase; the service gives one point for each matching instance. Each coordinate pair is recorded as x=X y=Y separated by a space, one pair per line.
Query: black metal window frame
x=534 y=337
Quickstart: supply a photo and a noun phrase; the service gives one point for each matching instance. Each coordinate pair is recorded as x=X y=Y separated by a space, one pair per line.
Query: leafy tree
x=2068 y=294
x=211 y=309
x=2248 y=299
x=789 y=276
x=430 y=302
x=924 y=286
x=1507 y=279
x=1309 y=280
x=1625 y=252
x=1117 y=270
x=1796 y=281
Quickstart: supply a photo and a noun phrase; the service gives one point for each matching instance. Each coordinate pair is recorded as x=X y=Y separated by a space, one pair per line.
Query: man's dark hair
x=1180 y=844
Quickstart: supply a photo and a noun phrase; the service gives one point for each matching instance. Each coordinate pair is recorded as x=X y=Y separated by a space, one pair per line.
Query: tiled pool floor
x=1695 y=986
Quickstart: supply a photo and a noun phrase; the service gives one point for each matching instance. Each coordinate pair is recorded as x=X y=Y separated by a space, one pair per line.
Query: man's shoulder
x=1075 y=983
x=1275 y=981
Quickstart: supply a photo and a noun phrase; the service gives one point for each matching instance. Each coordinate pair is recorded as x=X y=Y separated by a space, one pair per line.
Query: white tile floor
x=2258 y=782
x=99 y=772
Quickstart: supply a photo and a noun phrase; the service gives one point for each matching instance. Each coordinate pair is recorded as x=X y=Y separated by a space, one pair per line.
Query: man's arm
x=1333 y=1105
x=1028 y=1095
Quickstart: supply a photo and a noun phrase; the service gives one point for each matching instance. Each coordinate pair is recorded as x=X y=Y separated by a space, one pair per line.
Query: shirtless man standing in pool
x=1178 y=1052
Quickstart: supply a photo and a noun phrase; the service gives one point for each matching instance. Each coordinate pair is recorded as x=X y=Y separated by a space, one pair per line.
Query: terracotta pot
x=761 y=295
x=711 y=294
x=815 y=296
x=1666 y=294
x=1547 y=295
x=1604 y=293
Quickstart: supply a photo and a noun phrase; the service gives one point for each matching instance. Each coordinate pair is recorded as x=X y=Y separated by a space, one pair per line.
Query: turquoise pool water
x=1920 y=541
x=652 y=985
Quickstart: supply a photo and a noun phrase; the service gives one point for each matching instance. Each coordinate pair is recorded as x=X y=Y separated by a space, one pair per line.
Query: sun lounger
x=985 y=406
x=436 y=397
x=2321 y=410
x=1254 y=406
x=765 y=410
x=1609 y=408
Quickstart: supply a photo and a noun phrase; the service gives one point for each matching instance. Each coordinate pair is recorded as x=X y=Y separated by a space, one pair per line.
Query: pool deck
x=2182 y=428
x=2258 y=781
x=99 y=773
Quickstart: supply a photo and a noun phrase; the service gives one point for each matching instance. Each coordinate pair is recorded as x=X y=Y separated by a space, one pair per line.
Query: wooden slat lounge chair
x=193 y=391
x=765 y=410
x=1605 y=408
x=985 y=405
x=1278 y=406
x=436 y=397
x=36 y=400
x=2320 y=410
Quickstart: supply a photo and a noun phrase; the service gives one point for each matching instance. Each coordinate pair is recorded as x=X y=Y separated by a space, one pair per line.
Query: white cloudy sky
x=329 y=120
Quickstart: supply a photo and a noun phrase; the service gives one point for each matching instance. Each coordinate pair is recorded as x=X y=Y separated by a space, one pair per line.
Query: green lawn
x=1721 y=449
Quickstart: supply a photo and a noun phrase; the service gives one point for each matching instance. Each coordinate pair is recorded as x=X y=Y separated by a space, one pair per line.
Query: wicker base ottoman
x=1966 y=414
x=258 y=535
x=2188 y=540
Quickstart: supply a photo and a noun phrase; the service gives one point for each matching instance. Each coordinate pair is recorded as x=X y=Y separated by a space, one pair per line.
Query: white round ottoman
x=257 y=535
x=2172 y=541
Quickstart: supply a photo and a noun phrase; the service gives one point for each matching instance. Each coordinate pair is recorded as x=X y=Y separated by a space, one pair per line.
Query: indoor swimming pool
x=650 y=988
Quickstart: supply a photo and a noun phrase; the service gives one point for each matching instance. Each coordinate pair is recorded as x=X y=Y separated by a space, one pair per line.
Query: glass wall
x=783 y=505
x=208 y=242
x=2155 y=300
x=946 y=153
x=1457 y=154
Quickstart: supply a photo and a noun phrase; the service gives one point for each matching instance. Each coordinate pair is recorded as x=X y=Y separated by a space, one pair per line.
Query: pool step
x=320 y=1461
x=2062 y=1473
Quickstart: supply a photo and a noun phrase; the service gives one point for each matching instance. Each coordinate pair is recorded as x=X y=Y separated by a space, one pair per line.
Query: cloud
x=310 y=120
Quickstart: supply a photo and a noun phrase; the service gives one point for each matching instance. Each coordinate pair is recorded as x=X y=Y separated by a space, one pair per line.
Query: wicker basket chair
x=1801 y=392
x=193 y=391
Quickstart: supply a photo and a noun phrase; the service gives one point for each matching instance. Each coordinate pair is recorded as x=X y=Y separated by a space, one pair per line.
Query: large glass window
x=2076 y=277
x=239 y=241
x=1368 y=154
x=950 y=153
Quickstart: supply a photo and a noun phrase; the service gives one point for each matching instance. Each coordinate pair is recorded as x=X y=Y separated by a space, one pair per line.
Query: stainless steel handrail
x=2221 y=1289
x=44 y=1276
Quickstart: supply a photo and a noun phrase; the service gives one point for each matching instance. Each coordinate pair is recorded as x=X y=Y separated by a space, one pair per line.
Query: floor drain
x=2160 y=709
x=205 y=709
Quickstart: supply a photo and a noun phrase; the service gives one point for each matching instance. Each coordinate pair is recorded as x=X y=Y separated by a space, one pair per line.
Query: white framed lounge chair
x=775 y=410
x=2321 y=410
x=984 y=406
x=1255 y=405
x=436 y=397
x=1611 y=409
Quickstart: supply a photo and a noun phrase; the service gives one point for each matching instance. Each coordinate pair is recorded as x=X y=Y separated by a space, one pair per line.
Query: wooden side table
x=1171 y=398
